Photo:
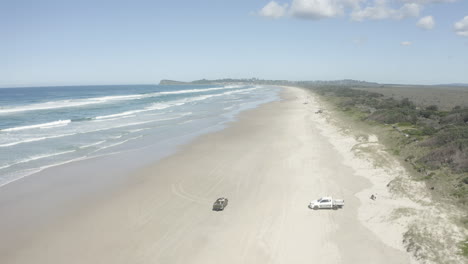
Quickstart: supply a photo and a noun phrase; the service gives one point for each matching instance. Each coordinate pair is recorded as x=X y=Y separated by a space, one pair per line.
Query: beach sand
x=270 y=164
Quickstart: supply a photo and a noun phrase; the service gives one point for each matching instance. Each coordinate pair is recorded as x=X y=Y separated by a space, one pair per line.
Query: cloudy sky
x=126 y=42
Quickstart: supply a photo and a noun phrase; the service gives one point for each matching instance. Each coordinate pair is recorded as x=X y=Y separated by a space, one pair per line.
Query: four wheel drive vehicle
x=220 y=204
x=326 y=202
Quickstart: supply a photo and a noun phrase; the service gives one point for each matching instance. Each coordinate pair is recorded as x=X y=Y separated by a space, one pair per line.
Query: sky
x=141 y=41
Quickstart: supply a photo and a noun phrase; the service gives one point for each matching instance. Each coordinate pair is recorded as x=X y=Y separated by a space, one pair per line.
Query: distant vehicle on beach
x=326 y=203
x=220 y=204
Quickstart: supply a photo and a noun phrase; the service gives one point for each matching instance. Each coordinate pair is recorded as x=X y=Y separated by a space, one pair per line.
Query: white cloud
x=423 y=2
x=406 y=43
x=461 y=27
x=381 y=10
x=426 y=22
x=409 y=10
x=358 y=10
x=273 y=10
x=317 y=9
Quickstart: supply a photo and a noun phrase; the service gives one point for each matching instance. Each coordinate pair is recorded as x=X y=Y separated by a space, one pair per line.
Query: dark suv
x=220 y=204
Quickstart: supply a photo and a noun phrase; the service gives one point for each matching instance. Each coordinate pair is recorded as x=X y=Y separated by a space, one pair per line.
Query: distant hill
x=346 y=82
x=454 y=84
x=171 y=82
x=227 y=81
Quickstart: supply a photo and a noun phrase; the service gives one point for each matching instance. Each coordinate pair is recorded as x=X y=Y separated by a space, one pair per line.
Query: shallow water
x=47 y=126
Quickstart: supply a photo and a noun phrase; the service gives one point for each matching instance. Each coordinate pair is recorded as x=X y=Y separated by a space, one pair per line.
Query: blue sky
x=135 y=42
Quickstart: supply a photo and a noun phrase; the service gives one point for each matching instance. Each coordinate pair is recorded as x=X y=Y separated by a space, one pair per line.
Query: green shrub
x=426 y=113
x=465 y=180
x=464 y=248
x=392 y=116
x=413 y=132
x=432 y=108
x=404 y=124
x=449 y=134
x=428 y=131
x=406 y=103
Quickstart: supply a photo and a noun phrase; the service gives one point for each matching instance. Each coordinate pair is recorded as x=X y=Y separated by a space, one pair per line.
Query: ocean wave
x=37 y=157
x=117 y=144
x=153 y=107
x=28 y=140
x=25 y=173
x=74 y=103
x=127 y=113
x=156 y=106
x=92 y=144
x=100 y=100
x=160 y=106
x=58 y=123
x=243 y=91
x=232 y=86
x=137 y=130
x=199 y=90
x=4 y=167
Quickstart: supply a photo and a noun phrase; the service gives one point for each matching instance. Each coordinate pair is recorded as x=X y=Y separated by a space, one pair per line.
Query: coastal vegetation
x=433 y=141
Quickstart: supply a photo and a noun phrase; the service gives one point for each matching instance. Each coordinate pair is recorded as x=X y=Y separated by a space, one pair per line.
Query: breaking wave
x=102 y=100
x=58 y=123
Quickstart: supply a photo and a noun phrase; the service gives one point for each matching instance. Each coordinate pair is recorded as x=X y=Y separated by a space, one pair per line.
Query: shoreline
x=404 y=215
x=80 y=184
x=270 y=162
x=374 y=214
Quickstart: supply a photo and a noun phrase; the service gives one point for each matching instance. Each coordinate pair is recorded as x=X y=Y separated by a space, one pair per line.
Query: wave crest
x=58 y=123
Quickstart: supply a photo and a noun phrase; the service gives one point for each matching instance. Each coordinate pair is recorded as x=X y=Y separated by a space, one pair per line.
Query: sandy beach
x=270 y=164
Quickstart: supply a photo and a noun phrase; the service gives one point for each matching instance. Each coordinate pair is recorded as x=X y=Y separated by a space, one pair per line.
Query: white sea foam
x=28 y=140
x=113 y=119
x=160 y=106
x=92 y=144
x=25 y=173
x=74 y=103
x=232 y=86
x=198 y=90
x=156 y=106
x=43 y=156
x=116 y=144
x=121 y=115
x=37 y=157
x=138 y=130
x=4 y=167
x=41 y=126
x=102 y=100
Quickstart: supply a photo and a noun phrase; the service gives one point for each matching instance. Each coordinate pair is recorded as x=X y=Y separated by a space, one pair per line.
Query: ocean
x=43 y=127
